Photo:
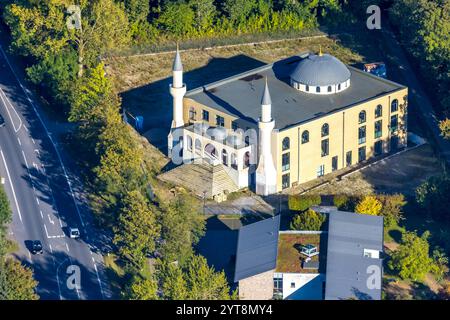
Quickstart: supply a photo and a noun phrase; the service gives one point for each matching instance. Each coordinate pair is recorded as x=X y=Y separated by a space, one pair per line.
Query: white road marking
x=37 y=200
x=42 y=216
x=48 y=134
x=67 y=247
x=2 y=93
x=25 y=158
x=46 y=232
x=18 y=140
x=12 y=187
x=34 y=142
x=99 y=281
x=50 y=219
x=51 y=249
x=26 y=128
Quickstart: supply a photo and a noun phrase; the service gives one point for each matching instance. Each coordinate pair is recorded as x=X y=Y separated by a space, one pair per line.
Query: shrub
x=340 y=201
x=369 y=205
x=303 y=202
x=392 y=208
x=309 y=220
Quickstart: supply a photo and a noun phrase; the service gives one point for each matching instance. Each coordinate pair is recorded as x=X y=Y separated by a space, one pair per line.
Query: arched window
x=307 y=88
x=211 y=151
x=378 y=111
x=225 y=157
x=329 y=89
x=305 y=136
x=362 y=117
x=189 y=143
x=339 y=87
x=286 y=144
x=318 y=89
x=234 y=161
x=325 y=130
x=192 y=113
x=246 y=159
x=198 y=145
x=394 y=105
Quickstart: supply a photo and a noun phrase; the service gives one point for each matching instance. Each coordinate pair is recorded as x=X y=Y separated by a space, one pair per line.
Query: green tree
x=193 y=281
x=16 y=281
x=182 y=226
x=136 y=230
x=340 y=201
x=303 y=202
x=432 y=195
x=239 y=10
x=369 y=205
x=38 y=28
x=411 y=259
x=309 y=220
x=440 y=263
x=204 y=14
x=5 y=209
x=176 y=19
x=142 y=289
x=392 y=208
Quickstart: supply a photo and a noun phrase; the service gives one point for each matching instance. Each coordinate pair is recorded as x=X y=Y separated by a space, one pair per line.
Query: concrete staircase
x=202 y=177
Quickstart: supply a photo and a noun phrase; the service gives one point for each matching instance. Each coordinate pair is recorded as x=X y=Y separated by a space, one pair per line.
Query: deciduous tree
x=369 y=205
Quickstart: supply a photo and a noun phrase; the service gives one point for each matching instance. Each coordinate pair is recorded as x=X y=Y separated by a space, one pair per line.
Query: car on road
x=2 y=121
x=36 y=247
x=74 y=233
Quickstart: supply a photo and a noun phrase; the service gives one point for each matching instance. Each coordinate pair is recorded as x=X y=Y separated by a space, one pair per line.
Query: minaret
x=177 y=90
x=266 y=174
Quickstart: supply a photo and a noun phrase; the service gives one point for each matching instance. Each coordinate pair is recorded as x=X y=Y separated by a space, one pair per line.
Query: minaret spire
x=177 y=65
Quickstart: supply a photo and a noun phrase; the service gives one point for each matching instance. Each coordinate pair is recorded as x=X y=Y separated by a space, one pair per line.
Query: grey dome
x=320 y=70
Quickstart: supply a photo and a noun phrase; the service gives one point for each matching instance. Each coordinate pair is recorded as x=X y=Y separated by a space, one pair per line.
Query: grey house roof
x=257 y=248
x=320 y=70
x=347 y=268
x=240 y=95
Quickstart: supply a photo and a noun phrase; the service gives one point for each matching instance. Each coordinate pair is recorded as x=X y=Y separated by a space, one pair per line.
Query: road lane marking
x=25 y=158
x=42 y=216
x=12 y=187
x=37 y=200
x=50 y=219
x=67 y=247
x=18 y=140
x=2 y=93
x=98 y=279
x=51 y=249
x=48 y=134
x=46 y=232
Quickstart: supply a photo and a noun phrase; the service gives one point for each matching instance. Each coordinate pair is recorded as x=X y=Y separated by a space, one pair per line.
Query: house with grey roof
x=340 y=263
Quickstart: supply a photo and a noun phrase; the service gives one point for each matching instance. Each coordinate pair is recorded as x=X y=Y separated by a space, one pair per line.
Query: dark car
x=36 y=247
x=2 y=121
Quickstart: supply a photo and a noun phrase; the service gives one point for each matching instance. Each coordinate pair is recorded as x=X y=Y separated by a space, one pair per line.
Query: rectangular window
x=394 y=123
x=362 y=135
x=325 y=147
x=321 y=170
x=285 y=162
x=334 y=163
x=285 y=181
x=220 y=121
x=378 y=129
x=378 y=148
x=192 y=114
x=361 y=154
x=348 y=158
x=205 y=115
x=234 y=126
x=277 y=285
x=292 y=285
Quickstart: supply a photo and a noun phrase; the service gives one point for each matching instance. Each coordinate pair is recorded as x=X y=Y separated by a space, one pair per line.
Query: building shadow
x=153 y=100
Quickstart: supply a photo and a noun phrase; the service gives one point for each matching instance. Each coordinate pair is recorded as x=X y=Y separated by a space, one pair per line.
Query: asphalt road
x=43 y=200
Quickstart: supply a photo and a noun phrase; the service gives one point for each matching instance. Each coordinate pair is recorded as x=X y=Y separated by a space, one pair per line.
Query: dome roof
x=320 y=70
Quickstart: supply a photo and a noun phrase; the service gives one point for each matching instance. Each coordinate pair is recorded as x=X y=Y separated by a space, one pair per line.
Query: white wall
x=307 y=286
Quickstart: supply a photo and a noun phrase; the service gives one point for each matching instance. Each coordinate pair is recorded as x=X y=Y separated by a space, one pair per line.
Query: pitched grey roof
x=320 y=70
x=240 y=95
x=177 y=66
x=347 y=268
x=266 y=100
x=257 y=248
